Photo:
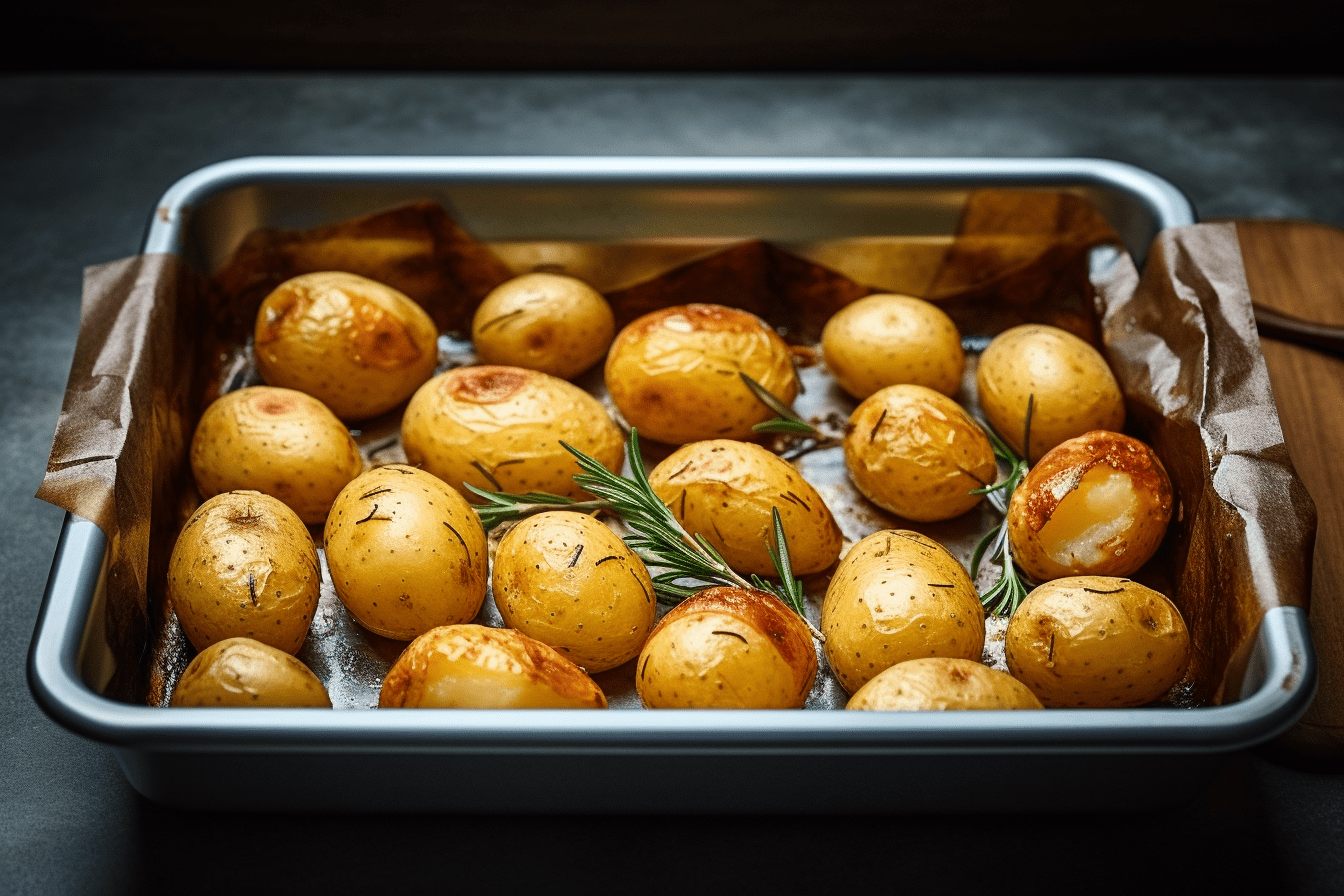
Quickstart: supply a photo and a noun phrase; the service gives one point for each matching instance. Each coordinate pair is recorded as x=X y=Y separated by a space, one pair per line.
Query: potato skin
x=885 y=339
x=943 y=683
x=896 y=596
x=244 y=672
x=406 y=552
x=674 y=373
x=548 y=322
x=475 y=667
x=727 y=490
x=1095 y=505
x=727 y=648
x=568 y=581
x=1071 y=388
x=510 y=421
x=279 y=442
x=1097 y=641
x=358 y=346
x=244 y=565
x=917 y=454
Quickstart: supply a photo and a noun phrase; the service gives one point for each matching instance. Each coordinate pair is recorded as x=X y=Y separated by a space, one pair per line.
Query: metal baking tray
x=687 y=761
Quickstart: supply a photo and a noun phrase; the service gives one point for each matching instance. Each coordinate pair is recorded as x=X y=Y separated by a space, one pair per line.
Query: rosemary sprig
x=502 y=507
x=1004 y=596
x=786 y=421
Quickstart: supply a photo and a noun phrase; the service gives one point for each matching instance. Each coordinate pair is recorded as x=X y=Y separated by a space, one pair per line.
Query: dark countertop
x=86 y=158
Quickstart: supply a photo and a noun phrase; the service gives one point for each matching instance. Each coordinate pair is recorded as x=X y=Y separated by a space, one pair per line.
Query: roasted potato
x=1095 y=505
x=475 y=667
x=359 y=347
x=244 y=565
x=547 y=322
x=674 y=373
x=500 y=429
x=1097 y=641
x=244 y=672
x=886 y=339
x=941 y=683
x=727 y=490
x=406 y=552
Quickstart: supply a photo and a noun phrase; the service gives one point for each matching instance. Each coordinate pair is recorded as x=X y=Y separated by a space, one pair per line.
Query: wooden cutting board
x=1298 y=269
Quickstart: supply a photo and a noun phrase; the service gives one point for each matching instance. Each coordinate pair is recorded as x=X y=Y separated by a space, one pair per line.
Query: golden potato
x=886 y=339
x=916 y=453
x=279 y=442
x=896 y=596
x=943 y=683
x=1095 y=505
x=500 y=429
x=1067 y=381
x=726 y=491
x=570 y=582
x=547 y=322
x=358 y=346
x=244 y=565
x=243 y=672
x=475 y=667
x=1097 y=641
x=406 y=552
x=727 y=648
x=674 y=373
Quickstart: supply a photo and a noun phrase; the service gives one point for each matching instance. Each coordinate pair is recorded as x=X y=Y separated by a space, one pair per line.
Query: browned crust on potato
x=702 y=317
x=381 y=338
x=486 y=384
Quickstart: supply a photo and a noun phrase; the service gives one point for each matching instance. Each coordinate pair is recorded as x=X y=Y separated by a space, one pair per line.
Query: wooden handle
x=1274 y=325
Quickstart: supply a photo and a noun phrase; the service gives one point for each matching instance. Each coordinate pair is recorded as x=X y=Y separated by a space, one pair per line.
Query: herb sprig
x=1004 y=596
x=786 y=421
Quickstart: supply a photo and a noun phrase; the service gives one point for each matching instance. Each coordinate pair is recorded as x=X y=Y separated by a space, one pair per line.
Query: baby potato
x=279 y=442
x=943 y=683
x=548 y=322
x=1095 y=505
x=475 y=667
x=726 y=491
x=727 y=648
x=243 y=672
x=916 y=453
x=244 y=565
x=358 y=346
x=500 y=429
x=406 y=552
x=1067 y=382
x=1097 y=641
x=885 y=339
x=897 y=596
x=570 y=582
x=674 y=373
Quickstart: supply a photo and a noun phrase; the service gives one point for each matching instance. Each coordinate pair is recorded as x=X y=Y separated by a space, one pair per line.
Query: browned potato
x=916 y=453
x=885 y=339
x=244 y=565
x=243 y=672
x=547 y=322
x=942 y=683
x=474 y=667
x=279 y=442
x=358 y=346
x=570 y=582
x=1067 y=382
x=898 y=595
x=727 y=648
x=1097 y=641
x=406 y=552
x=1095 y=505
x=500 y=429
x=674 y=373
x=726 y=491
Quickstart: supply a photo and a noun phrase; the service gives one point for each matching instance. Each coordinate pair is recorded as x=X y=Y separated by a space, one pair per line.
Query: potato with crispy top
x=548 y=322
x=406 y=552
x=475 y=667
x=886 y=339
x=1097 y=641
x=727 y=648
x=943 y=683
x=500 y=429
x=1095 y=505
x=244 y=672
x=244 y=565
x=726 y=491
x=280 y=442
x=675 y=373
x=359 y=347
